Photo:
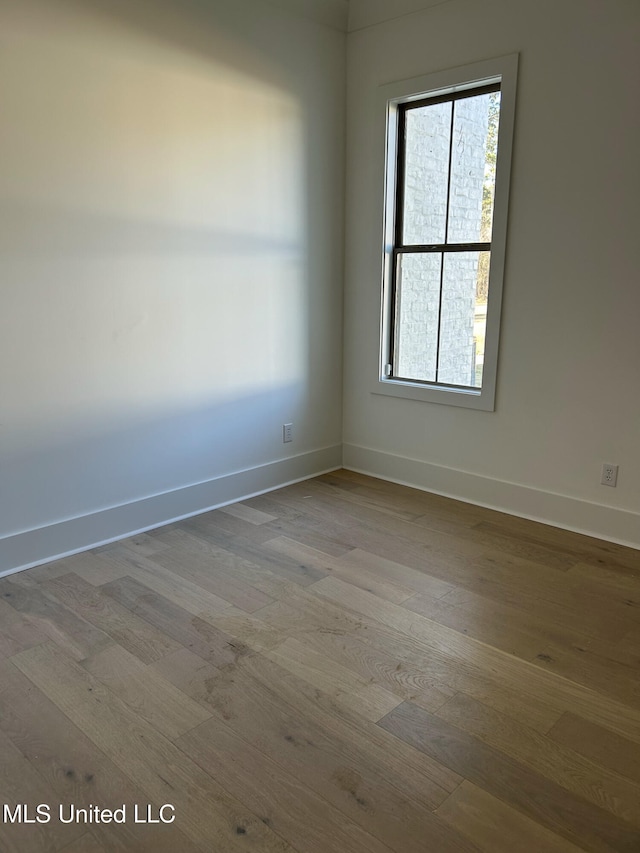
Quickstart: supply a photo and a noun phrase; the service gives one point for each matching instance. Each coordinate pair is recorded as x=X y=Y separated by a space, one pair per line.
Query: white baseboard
x=34 y=547
x=40 y=545
x=604 y=522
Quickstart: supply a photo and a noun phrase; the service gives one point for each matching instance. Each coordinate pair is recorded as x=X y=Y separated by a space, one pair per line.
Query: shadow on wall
x=31 y=230
x=56 y=474
x=162 y=167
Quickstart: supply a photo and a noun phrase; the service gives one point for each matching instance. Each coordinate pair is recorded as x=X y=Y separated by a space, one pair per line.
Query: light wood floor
x=343 y=665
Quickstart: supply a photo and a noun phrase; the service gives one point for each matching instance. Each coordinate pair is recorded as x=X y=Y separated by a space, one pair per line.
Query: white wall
x=171 y=263
x=171 y=195
x=568 y=395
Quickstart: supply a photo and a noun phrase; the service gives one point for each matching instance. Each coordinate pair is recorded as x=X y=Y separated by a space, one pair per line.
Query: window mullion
x=442 y=247
x=446 y=237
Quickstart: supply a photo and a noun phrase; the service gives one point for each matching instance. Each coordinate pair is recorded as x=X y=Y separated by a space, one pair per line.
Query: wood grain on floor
x=341 y=666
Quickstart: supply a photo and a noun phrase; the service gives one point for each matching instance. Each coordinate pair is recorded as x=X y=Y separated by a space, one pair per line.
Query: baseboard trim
x=604 y=522
x=41 y=545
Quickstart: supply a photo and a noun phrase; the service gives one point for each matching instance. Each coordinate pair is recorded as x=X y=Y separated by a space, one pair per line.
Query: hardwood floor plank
x=572 y=771
x=297 y=520
x=579 y=547
x=204 y=810
x=410 y=770
x=377 y=570
x=466 y=540
x=408 y=767
x=59 y=623
x=534 y=589
x=627 y=650
x=344 y=567
x=215 y=570
x=71 y=764
x=246 y=628
x=428 y=511
x=178 y=590
x=192 y=632
x=494 y=540
x=521 y=675
x=306 y=820
x=311 y=557
x=342 y=684
x=602 y=746
x=247 y=513
x=496 y=827
x=74 y=768
x=151 y=839
x=457 y=560
x=352 y=641
x=189 y=673
x=88 y=843
x=513 y=580
x=94 y=567
x=17 y=776
x=134 y=634
x=593 y=670
x=491 y=626
x=532 y=637
x=376 y=665
x=230 y=567
x=402 y=508
x=49 y=571
x=329 y=756
x=582 y=621
x=432 y=674
x=144 y=544
x=302 y=571
x=146 y=692
x=210 y=525
x=416 y=581
x=380 y=493
x=611 y=579
x=17 y=632
x=541 y=799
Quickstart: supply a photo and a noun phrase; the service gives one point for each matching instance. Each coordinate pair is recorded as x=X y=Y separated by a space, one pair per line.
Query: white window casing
x=502 y=70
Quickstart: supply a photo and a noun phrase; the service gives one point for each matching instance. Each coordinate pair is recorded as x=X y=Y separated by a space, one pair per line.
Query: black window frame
x=399 y=247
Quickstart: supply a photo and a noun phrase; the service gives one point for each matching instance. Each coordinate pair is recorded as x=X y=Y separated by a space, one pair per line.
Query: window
x=447 y=174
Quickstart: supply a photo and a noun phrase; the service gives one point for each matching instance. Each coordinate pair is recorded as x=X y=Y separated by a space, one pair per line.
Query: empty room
x=319 y=426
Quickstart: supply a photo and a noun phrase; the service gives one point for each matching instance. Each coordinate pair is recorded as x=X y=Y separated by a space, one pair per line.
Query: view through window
x=447 y=150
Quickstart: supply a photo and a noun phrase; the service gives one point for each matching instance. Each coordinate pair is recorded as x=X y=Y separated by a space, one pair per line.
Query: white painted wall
x=364 y=13
x=568 y=395
x=171 y=260
x=171 y=195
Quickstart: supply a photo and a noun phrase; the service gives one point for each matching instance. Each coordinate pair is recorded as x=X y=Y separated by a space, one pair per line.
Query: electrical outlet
x=609 y=475
x=287 y=433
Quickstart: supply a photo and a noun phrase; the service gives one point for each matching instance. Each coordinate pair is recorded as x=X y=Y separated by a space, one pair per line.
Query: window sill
x=482 y=399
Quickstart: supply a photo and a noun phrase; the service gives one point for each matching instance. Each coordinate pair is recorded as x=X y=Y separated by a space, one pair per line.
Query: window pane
x=426 y=168
x=417 y=306
x=463 y=318
x=473 y=164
